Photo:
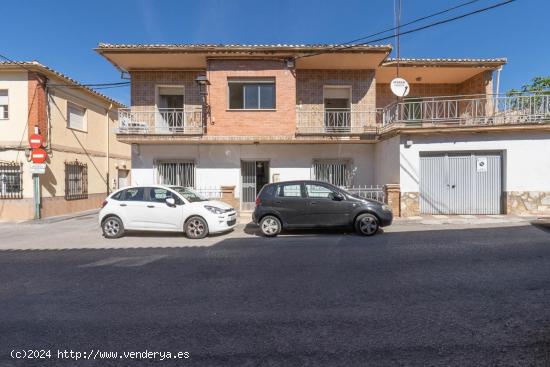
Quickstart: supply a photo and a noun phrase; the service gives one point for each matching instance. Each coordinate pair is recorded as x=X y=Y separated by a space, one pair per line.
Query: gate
x=461 y=183
x=248 y=185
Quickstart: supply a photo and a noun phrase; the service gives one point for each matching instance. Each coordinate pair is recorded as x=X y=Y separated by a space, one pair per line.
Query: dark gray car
x=315 y=204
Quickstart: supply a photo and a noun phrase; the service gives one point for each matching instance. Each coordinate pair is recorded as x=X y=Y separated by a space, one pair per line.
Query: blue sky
x=62 y=34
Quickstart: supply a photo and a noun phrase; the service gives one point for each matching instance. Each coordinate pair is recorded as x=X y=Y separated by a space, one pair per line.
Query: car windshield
x=189 y=194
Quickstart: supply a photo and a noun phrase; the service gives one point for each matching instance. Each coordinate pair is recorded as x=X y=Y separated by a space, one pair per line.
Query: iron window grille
x=76 y=180
x=11 y=180
x=178 y=173
x=335 y=172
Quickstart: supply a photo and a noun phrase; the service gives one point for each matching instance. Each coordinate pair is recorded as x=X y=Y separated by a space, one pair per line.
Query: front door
x=323 y=210
x=254 y=175
x=161 y=215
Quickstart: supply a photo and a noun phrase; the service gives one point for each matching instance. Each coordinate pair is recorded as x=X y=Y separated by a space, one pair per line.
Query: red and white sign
x=35 y=141
x=38 y=155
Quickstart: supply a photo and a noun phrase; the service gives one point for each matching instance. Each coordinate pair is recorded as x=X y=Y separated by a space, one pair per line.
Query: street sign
x=481 y=164
x=35 y=141
x=38 y=168
x=39 y=155
x=400 y=87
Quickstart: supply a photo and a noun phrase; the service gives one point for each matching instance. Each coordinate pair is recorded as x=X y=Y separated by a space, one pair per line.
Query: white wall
x=526 y=163
x=13 y=130
x=218 y=165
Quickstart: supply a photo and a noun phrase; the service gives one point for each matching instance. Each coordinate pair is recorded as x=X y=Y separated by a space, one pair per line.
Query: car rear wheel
x=196 y=228
x=270 y=226
x=112 y=227
x=367 y=225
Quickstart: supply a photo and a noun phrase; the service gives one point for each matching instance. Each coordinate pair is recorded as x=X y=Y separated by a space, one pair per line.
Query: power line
x=448 y=20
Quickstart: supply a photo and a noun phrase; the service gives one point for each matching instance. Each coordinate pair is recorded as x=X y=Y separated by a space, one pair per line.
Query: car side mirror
x=170 y=201
x=337 y=197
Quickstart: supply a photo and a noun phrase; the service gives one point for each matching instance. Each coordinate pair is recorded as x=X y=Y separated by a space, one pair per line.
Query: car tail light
x=104 y=203
x=258 y=201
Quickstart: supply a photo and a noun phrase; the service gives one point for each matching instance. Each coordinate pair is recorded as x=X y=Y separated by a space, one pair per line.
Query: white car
x=164 y=208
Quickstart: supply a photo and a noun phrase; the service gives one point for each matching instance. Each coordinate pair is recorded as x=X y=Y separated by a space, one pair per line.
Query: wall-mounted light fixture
x=290 y=63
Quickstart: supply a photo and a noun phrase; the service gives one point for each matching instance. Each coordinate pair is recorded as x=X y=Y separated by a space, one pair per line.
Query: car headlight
x=213 y=209
x=386 y=208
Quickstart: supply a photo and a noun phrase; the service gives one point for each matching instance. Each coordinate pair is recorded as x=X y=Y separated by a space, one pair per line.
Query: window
x=335 y=172
x=76 y=180
x=252 y=95
x=11 y=180
x=76 y=117
x=289 y=191
x=159 y=195
x=134 y=194
x=4 y=104
x=318 y=191
x=176 y=173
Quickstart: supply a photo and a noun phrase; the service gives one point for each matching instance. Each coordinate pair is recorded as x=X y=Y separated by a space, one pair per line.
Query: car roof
x=300 y=182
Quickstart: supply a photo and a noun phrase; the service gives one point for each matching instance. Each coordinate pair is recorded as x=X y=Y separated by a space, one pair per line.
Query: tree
x=539 y=85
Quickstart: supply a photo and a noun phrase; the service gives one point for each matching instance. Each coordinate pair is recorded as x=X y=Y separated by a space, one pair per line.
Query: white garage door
x=461 y=183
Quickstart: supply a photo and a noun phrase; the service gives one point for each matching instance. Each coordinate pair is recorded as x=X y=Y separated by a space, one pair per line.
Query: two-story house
x=244 y=115
x=85 y=160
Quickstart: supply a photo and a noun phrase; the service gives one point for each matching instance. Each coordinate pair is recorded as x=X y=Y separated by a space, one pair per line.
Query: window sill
x=75 y=129
x=251 y=110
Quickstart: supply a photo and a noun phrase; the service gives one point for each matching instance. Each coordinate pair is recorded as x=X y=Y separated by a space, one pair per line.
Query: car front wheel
x=112 y=227
x=270 y=226
x=367 y=224
x=196 y=228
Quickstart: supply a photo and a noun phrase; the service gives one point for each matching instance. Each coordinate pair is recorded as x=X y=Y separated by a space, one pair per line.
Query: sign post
x=38 y=157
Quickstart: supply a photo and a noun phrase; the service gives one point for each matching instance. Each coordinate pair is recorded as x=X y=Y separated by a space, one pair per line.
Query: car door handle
x=123 y=205
x=277 y=202
x=313 y=203
x=150 y=206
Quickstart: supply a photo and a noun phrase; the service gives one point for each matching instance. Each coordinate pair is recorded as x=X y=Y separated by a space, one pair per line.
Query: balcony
x=160 y=121
x=472 y=111
x=335 y=121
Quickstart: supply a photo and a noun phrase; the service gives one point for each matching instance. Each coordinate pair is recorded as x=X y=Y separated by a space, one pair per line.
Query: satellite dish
x=400 y=87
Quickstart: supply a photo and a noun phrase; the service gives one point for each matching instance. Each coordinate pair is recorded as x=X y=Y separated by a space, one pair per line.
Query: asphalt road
x=468 y=297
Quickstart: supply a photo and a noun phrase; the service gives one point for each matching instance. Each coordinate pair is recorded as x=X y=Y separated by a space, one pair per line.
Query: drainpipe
x=497 y=91
x=108 y=152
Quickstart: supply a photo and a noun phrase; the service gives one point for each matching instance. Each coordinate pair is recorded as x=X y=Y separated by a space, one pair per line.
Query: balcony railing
x=187 y=121
x=335 y=121
x=469 y=110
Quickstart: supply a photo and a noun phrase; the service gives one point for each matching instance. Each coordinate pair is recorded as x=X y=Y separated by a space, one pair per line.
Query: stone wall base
x=410 y=204
x=527 y=202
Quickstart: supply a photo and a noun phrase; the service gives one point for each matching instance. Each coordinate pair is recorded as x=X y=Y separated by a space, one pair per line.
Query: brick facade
x=37 y=105
x=225 y=122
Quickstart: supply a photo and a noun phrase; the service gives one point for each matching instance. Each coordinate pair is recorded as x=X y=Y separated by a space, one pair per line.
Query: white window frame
x=349 y=167
x=7 y=105
x=84 y=117
x=159 y=162
x=175 y=86
x=266 y=80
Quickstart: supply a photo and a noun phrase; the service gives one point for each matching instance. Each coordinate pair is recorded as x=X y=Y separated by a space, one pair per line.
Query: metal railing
x=136 y=120
x=470 y=110
x=209 y=192
x=335 y=120
x=373 y=192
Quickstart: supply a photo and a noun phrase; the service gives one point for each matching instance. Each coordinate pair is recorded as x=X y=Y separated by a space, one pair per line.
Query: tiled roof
x=232 y=47
x=35 y=65
x=446 y=61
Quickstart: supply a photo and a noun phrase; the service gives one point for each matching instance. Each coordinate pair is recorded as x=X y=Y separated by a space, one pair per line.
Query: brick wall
x=280 y=122
x=310 y=83
x=37 y=105
x=143 y=90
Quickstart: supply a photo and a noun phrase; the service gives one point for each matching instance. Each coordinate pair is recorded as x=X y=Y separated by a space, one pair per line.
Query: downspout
x=107 y=156
x=497 y=90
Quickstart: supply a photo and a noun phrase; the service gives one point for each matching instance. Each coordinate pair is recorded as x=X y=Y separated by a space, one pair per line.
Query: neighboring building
x=283 y=112
x=85 y=160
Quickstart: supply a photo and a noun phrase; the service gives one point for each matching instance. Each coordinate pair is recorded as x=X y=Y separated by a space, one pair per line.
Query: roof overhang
x=191 y=57
x=428 y=71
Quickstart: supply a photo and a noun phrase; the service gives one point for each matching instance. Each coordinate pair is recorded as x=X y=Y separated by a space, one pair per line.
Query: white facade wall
x=526 y=166
x=13 y=130
x=219 y=165
x=386 y=159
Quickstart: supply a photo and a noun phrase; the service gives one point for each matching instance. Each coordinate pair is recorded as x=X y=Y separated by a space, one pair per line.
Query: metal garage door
x=460 y=183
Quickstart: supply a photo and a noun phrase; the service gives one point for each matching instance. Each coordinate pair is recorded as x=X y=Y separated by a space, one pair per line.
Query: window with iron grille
x=11 y=180
x=76 y=180
x=179 y=173
x=336 y=172
x=4 y=111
